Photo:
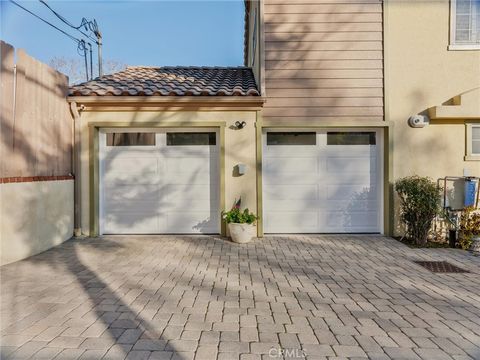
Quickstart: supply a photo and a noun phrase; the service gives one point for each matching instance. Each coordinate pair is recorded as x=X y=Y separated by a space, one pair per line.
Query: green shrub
x=469 y=227
x=419 y=204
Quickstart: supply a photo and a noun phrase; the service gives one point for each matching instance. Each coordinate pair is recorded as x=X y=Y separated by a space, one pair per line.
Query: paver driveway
x=161 y=297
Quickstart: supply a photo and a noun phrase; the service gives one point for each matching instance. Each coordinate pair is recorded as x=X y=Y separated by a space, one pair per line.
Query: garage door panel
x=334 y=182
x=291 y=165
x=291 y=206
x=203 y=151
x=131 y=223
x=133 y=192
x=190 y=192
x=352 y=205
x=352 y=219
x=160 y=189
x=131 y=170
x=191 y=222
x=290 y=178
x=286 y=151
x=291 y=192
x=362 y=180
x=289 y=222
x=355 y=165
x=350 y=192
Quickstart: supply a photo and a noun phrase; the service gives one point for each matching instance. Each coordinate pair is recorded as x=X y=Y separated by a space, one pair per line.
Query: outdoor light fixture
x=240 y=124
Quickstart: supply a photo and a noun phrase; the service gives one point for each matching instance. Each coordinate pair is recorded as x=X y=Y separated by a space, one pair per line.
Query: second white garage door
x=322 y=181
x=159 y=182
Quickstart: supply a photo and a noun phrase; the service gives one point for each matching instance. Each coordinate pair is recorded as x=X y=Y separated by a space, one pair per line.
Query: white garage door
x=159 y=182
x=322 y=182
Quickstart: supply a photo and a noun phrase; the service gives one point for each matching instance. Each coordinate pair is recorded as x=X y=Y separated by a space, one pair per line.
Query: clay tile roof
x=171 y=81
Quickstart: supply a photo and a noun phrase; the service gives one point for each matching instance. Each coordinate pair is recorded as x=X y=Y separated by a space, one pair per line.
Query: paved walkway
x=185 y=297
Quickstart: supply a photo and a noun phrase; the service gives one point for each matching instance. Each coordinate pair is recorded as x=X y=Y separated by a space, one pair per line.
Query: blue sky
x=134 y=32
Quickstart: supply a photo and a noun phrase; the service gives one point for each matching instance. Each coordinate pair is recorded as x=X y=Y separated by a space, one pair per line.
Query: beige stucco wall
x=239 y=148
x=420 y=73
x=34 y=217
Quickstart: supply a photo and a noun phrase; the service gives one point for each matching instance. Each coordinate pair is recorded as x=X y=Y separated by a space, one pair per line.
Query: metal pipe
x=99 y=42
x=91 y=61
x=76 y=153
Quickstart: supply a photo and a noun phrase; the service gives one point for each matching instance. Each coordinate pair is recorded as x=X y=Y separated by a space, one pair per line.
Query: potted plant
x=241 y=224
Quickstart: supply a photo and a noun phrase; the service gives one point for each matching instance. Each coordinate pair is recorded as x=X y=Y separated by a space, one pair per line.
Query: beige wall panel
x=323 y=55
x=319 y=93
x=323 y=45
x=324 y=111
x=35 y=217
x=40 y=142
x=338 y=7
x=325 y=36
x=329 y=102
x=7 y=56
x=324 y=74
x=309 y=2
x=306 y=28
x=322 y=64
x=323 y=18
x=323 y=83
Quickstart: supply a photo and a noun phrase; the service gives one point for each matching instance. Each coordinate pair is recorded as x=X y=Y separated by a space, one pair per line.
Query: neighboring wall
x=36 y=185
x=323 y=60
x=421 y=73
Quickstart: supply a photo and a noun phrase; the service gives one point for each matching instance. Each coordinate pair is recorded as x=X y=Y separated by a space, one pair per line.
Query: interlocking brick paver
x=181 y=297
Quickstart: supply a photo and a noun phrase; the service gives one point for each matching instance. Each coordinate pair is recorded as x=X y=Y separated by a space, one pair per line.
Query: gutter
x=170 y=100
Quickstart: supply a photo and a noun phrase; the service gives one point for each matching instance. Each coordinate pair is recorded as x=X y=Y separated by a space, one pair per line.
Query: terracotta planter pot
x=241 y=233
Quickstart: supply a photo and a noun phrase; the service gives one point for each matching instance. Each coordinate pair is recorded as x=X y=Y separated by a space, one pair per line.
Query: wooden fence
x=36 y=128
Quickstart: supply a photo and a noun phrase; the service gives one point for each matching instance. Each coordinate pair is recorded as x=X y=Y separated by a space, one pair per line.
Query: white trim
x=463 y=47
x=453 y=29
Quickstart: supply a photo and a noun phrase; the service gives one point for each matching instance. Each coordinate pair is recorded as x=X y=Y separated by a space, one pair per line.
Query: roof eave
x=183 y=101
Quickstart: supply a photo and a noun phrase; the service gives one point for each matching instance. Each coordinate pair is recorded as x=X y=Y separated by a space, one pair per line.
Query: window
x=291 y=138
x=351 y=138
x=465 y=25
x=131 y=139
x=473 y=141
x=191 y=138
x=476 y=140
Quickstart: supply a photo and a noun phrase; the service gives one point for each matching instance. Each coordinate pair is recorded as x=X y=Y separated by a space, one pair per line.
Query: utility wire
x=46 y=22
x=81 y=44
x=88 y=25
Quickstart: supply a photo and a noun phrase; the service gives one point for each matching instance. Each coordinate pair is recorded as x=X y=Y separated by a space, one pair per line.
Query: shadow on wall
x=35 y=141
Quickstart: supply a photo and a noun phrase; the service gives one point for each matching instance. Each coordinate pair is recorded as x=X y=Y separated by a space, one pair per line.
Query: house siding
x=323 y=60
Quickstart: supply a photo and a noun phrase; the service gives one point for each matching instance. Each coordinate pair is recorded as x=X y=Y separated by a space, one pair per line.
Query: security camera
x=418 y=121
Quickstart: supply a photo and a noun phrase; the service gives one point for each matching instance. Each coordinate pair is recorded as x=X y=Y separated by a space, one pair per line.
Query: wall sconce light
x=240 y=124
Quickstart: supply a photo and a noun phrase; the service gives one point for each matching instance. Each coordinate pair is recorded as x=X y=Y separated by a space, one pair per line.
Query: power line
x=88 y=25
x=81 y=44
x=46 y=22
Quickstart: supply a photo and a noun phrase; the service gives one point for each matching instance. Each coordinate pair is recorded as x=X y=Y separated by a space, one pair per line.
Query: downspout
x=77 y=227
